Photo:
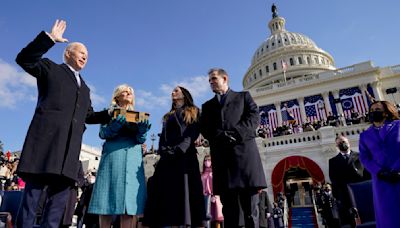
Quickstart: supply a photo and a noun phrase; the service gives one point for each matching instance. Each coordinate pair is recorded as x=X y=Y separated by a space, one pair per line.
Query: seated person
x=331 y=119
x=308 y=127
x=355 y=117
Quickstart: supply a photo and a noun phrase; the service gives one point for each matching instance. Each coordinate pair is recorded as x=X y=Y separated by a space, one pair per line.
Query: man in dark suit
x=229 y=122
x=345 y=168
x=265 y=206
x=50 y=155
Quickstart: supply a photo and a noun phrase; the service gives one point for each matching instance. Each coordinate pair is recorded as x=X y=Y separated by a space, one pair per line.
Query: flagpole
x=284 y=67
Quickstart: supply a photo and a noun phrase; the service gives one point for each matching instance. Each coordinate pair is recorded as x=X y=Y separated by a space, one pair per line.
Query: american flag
x=291 y=110
x=269 y=116
x=315 y=108
x=352 y=98
x=284 y=65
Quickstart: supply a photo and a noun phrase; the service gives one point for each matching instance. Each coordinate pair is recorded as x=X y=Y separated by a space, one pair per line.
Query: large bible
x=131 y=116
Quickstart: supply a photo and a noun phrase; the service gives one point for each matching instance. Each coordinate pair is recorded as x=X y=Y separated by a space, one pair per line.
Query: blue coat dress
x=120 y=186
x=380 y=149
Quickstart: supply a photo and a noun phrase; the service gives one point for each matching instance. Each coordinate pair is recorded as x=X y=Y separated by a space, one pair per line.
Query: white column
x=376 y=87
x=302 y=109
x=328 y=108
x=279 y=112
x=363 y=88
x=339 y=106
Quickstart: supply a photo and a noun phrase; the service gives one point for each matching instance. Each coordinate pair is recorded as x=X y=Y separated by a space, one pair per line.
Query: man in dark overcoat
x=265 y=206
x=50 y=155
x=345 y=168
x=330 y=211
x=229 y=122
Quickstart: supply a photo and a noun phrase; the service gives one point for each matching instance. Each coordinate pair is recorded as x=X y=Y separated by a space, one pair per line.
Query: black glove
x=383 y=175
x=389 y=176
x=231 y=136
x=168 y=151
x=394 y=176
x=228 y=137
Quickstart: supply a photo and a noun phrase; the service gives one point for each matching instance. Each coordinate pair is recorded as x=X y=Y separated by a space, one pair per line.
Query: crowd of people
x=8 y=175
x=292 y=127
x=228 y=192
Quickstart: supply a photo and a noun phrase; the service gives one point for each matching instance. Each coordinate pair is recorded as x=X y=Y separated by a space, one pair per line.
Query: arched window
x=300 y=60
x=267 y=69
x=291 y=61
x=260 y=72
x=274 y=66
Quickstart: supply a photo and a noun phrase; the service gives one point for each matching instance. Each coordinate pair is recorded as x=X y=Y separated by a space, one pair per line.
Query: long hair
x=389 y=109
x=190 y=111
x=120 y=89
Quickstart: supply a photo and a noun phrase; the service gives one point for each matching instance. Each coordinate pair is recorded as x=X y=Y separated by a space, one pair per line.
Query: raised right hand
x=58 y=30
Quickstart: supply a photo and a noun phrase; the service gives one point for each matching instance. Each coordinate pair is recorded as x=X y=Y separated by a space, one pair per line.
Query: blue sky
x=156 y=45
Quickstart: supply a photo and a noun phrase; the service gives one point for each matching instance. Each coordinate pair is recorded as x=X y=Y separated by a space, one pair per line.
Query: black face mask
x=376 y=116
x=343 y=146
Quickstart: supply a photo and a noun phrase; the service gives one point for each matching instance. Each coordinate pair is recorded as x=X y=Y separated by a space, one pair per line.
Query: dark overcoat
x=341 y=173
x=237 y=165
x=265 y=207
x=176 y=193
x=53 y=142
x=380 y=149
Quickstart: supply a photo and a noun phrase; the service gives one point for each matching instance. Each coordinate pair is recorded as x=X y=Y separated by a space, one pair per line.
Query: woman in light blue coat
x=120 y=187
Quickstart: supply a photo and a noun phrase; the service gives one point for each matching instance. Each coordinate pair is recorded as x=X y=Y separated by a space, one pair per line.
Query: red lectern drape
x=294 y=162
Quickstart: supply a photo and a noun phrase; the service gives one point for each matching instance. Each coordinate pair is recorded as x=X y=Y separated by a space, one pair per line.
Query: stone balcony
x=322 y=137
x=345 y=72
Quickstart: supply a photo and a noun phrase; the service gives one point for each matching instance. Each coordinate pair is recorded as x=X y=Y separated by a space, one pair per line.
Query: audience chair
x=9 y=206
x=362 y=203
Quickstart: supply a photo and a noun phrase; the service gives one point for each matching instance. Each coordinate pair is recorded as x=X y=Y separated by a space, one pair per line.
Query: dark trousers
x=240 y=208
x=54 y=206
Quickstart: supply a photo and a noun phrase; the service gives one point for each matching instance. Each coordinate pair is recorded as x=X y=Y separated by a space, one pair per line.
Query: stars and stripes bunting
x=352 y=98
x=315 y=108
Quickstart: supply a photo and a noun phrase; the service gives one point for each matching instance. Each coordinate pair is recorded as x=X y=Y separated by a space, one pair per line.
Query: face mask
x=207 y=163
x=91 y=180
x=343 y=146
x=376 y=116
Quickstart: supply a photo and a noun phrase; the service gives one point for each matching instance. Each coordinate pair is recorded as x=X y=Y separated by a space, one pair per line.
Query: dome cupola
x=284 y=56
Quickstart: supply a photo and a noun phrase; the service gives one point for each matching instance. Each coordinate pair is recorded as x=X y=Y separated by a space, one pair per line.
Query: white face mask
x=91 y=180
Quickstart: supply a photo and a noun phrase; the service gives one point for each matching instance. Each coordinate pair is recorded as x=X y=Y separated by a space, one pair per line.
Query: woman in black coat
x=176 y=192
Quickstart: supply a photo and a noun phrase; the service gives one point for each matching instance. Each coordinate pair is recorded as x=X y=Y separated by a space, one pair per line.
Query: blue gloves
x=143 y=126
x=117 y=123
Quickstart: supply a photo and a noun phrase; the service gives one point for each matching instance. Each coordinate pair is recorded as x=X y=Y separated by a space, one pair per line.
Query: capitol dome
x=284 y=56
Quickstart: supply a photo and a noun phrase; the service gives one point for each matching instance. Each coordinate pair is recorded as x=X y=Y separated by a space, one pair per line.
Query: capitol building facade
x=294 y=82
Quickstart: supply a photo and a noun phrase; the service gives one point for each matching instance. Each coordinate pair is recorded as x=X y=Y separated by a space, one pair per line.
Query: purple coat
x=380 y=148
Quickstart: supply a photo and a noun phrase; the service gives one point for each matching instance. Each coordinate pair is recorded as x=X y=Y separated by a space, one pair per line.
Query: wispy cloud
x=197 y=85
x=16 y=86
x=97 y=99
